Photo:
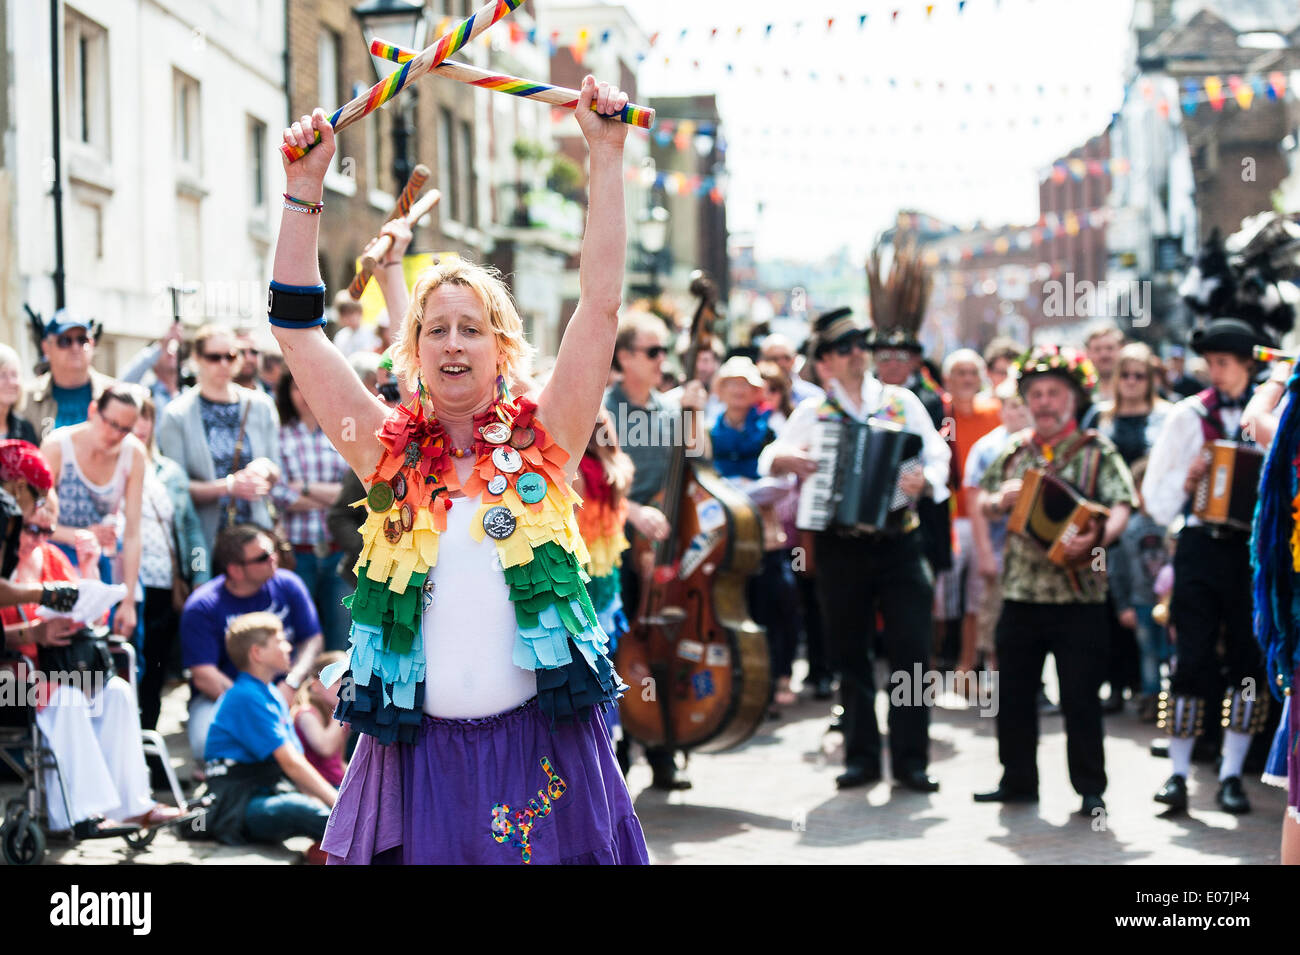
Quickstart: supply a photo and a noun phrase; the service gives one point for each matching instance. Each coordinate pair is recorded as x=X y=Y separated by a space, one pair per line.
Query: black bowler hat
x=1234 y=336
x=833 y=327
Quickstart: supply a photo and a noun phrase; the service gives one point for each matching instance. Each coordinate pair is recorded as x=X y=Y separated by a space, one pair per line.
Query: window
x=188 y=146
x=257 y=162
x=85 y=52
x=447 y=178
x=189 y=238
x=468 y=181
x=328 y=57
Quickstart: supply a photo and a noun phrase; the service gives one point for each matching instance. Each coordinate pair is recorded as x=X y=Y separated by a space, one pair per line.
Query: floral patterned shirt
x=1027 y=575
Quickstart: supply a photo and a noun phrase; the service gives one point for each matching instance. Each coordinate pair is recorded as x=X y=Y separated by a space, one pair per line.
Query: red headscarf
x=22 y=461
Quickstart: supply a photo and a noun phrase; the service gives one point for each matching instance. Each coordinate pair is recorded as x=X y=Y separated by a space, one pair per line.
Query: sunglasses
x=66 y=341
x=893 y=354
x=846 y=347
x=213 y=357
x=37 y=531
x=653 y=352
x=261 y=558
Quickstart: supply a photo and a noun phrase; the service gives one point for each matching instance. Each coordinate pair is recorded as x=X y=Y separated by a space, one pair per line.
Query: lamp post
x=401 y=22
x=652 y=236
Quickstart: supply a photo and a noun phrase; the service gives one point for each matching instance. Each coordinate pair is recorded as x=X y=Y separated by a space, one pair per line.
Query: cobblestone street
x=774 y=801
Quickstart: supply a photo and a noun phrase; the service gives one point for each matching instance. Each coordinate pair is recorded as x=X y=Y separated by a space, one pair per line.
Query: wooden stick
x=429 y=57
x=419 y=176
x=640 y=116
x=376 y=253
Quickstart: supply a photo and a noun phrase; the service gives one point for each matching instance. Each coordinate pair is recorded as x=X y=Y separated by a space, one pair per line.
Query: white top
x=797 y=433
x=350 y=341
x=1171 y=458
x=469 y=628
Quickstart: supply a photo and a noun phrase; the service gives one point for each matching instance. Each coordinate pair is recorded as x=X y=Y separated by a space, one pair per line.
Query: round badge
x=399 y=487
x=499 y=523
x=408 y=517
x=507 y=459
x=496 y=433
x=531 y=487
x=380 y=497
x=522 y=438
x=392 y=532
x=497 y=485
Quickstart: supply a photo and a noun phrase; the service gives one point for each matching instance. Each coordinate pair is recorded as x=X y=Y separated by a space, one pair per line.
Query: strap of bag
x=232 y=509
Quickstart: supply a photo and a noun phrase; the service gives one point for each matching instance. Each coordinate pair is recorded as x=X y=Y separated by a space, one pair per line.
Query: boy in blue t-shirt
x=252 y=747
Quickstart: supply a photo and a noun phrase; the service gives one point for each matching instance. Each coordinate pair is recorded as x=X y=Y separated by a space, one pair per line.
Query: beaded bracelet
x=304 y=209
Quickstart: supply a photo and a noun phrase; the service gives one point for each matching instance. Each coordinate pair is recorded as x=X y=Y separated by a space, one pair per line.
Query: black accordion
x=858 y=467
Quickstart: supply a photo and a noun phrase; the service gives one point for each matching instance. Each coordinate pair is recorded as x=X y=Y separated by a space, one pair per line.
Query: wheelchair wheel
x=140 y=839
x=22 y=841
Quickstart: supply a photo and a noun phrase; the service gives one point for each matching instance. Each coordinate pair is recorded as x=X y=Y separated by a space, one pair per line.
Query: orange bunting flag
x=1214 y=90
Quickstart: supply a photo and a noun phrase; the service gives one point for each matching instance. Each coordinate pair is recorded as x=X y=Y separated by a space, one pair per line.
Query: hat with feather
x=898 y=297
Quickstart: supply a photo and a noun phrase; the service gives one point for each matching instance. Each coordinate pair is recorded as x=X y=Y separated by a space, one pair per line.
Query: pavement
x=774 y=800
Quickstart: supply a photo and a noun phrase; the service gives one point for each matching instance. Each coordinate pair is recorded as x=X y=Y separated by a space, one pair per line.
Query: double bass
x=696 y=665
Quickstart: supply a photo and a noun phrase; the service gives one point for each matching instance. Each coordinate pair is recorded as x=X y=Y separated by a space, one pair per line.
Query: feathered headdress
x=898 y=299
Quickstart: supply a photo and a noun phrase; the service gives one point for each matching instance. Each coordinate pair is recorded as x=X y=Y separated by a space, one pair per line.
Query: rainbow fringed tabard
x=559 y=634
x=601 y=523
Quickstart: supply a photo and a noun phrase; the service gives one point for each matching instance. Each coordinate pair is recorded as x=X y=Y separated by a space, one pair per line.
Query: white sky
x=832 y=162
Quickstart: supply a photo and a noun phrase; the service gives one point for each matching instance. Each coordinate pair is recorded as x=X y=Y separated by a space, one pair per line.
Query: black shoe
x=1174 y=793
x=670 y=781
x=854 y=776
x=1091 y=804
x=1160 y=747
x=1002 y=794
x=1231 y=797
x=919 y=781
x=823 y=689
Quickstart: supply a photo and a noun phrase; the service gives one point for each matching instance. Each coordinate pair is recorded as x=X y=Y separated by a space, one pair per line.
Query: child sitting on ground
x=323 y=738
x=252 y=747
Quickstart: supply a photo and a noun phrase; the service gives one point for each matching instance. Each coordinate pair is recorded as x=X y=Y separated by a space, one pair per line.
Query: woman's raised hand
x=308 y=173
x=609 y=100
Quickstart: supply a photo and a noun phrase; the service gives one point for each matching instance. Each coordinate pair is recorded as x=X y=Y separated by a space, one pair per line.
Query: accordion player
x=1051 y=513
x=1225 y=495
x=858 y=467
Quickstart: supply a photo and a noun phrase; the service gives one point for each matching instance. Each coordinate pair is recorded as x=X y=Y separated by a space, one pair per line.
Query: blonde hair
x=502 y=316
x=247 y=631
x=303 y=696
x=10 y=357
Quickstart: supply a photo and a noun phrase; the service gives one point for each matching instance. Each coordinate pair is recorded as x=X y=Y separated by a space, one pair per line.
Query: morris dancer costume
x=1211 y=576
x=520 y=500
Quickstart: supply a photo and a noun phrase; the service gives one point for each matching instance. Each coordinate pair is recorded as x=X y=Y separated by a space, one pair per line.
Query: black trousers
x=1078 y=636
x=1212 y=596
x=821 y=664
x=856 y=577
x=161 y=633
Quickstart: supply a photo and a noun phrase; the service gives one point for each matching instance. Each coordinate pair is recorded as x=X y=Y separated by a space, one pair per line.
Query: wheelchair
x=23 y=838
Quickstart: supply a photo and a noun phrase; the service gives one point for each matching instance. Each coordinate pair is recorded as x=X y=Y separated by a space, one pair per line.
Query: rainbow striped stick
x=633 y=115
x=428 y=58
x=1263 y=353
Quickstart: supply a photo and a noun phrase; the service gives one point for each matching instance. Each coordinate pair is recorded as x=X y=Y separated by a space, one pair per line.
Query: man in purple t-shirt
x=251 y=581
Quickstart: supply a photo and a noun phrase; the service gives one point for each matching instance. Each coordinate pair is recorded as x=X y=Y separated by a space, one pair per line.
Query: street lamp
x=400 y=22
x=652 y=234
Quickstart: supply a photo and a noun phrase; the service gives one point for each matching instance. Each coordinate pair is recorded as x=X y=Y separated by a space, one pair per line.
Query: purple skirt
x=501 y=790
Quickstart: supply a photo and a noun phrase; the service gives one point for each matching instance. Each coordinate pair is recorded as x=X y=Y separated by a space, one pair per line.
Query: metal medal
x=522 y=438
x=380 y=497
x=496 y=433
x=531 y=487
x=498 y=484
x=399 y=487
x=498 y=522
x=392 y=532
x=507 y=459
